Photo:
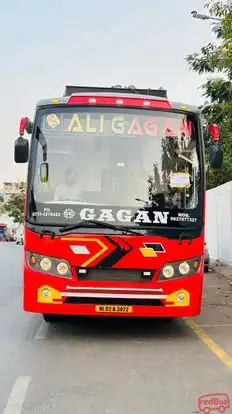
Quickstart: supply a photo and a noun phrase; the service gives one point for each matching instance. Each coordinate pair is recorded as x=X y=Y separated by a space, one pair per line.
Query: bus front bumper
x=169 y=301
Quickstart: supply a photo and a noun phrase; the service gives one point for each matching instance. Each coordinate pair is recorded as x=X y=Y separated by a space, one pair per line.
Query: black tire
x=50 y=318
x=206 y=268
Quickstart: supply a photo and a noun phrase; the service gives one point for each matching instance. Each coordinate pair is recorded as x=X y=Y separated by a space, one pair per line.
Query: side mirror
x=21 y=150
x=216 y=156
x=213 y=131
x=44 y=172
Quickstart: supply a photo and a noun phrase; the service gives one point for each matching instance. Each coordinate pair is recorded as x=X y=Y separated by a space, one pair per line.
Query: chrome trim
x=111 y=295
x=112 y=288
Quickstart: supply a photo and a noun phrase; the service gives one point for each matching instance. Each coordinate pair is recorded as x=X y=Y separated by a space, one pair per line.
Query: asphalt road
x=110 y=366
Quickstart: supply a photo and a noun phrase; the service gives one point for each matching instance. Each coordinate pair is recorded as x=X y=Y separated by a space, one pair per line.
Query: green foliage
x=2 y=210
x=217 y=60
x=14 y=207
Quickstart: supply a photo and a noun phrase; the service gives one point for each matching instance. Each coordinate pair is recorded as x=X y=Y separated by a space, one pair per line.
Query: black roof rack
x=69 y=90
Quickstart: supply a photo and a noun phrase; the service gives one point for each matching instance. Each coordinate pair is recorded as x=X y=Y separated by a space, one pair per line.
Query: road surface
x=116 y=367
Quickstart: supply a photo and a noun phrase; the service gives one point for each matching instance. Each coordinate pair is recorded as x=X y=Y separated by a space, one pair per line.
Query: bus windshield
x=133 y=166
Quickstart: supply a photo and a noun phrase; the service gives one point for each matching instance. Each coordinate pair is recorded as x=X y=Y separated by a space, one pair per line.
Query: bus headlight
x=50 y=265
x=184 y=268
x=45 y=264
x=168 y=272
x=62 y=268
x=175 y=270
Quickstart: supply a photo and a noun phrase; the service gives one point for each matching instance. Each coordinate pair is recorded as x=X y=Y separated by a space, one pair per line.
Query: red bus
x=115 y=204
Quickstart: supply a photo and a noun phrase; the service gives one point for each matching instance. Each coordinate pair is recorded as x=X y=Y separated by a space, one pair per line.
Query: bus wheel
x=50 y=318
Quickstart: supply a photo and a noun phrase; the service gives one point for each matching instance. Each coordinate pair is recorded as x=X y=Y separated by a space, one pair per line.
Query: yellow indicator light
x=183 y=107
x=196 y=263
x=33 y=260
x=55 y=100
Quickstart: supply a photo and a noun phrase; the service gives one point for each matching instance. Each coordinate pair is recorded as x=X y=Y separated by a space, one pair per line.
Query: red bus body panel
x=105 y=246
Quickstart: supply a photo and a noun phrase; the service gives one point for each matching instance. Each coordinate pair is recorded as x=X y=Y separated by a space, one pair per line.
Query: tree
x=15 y=205
x=2 y=210
x=214 y=59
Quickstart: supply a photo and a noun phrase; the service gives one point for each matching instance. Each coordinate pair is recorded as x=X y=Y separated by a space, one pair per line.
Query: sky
x=48 y=44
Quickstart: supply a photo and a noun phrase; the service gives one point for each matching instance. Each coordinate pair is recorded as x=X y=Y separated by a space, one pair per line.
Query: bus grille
x=113 y=275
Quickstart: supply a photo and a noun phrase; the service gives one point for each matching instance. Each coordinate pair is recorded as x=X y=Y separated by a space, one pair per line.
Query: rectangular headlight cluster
x=50 y=265
x=179 y=269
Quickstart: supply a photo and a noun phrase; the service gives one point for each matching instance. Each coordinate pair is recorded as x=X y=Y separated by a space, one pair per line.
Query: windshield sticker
x=53 y=121
x=107 y=215
x=184 y=217
x=47 y=212
x=124 y=216
x=103 y=124
x=112 y=215
x=69 y=213
x=179 y=180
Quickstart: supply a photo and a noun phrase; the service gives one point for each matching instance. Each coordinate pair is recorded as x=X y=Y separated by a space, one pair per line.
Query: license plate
x=113 y=308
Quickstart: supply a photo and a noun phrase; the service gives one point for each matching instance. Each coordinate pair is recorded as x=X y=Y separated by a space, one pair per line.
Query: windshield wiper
x=186 y=236
x=86 y=223
x=48 y=233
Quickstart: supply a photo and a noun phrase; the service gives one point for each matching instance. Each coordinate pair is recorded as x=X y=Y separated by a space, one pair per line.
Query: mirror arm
x=21 y=138
x=44 y=147
x=29 y=127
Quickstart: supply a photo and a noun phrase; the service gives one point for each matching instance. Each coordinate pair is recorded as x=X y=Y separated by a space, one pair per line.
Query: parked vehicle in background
x=2 y=232
x=9 y=237
x=19 y=239
x=206 y=258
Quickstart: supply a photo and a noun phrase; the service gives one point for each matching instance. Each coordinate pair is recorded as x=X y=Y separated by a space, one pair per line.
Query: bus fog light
x=168 y=272
x=180 y=297
x=62 y=268
x=45 y=264
x=184 y=268
x=46 y=293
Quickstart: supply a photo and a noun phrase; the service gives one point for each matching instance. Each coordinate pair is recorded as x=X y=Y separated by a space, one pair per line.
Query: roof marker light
x=112 y=101
x=146 y=103
x=92 y=100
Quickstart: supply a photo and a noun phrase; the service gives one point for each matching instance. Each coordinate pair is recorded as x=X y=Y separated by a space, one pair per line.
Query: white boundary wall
x=219 y=222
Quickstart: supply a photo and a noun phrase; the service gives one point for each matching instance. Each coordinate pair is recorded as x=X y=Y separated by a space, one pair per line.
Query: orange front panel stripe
x=104 y=248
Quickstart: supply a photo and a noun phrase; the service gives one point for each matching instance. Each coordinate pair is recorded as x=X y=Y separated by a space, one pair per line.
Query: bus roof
x=117 y=92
